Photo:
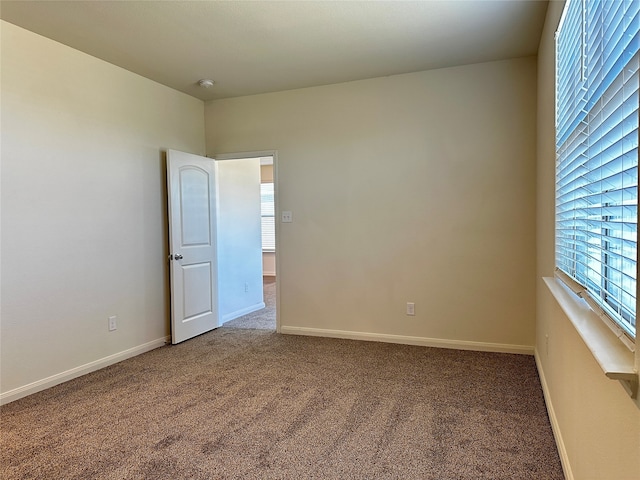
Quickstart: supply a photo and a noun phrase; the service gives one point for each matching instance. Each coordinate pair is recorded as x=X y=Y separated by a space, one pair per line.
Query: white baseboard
x=243 y=311
x=62 y=377
x=555 y=426
x=407 y=340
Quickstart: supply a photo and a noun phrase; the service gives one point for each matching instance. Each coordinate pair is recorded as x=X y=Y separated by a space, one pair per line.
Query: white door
x=192 y=245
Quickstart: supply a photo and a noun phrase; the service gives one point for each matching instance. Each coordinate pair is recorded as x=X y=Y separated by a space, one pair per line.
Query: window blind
x=267 y=209
x=597 y=63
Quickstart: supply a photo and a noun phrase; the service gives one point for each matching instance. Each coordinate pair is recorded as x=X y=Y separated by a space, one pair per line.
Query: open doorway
x=263 y=318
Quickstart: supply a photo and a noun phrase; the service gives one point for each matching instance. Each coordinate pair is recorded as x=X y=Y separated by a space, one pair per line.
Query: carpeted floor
x=238 y=403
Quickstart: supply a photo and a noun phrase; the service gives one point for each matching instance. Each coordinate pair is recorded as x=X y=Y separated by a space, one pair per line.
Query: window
x=597 y=152
x=267 y=209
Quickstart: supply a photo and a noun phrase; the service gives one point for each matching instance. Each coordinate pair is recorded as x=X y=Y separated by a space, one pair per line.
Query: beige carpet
x=251 y=404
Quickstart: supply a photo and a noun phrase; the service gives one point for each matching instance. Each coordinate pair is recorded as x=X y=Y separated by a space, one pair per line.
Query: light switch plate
x=287 y=217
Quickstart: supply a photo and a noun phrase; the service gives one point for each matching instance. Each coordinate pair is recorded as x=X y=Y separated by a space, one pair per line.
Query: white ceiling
x=251 y=47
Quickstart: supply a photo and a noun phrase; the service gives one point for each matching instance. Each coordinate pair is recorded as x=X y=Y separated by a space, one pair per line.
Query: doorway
x=265 y=318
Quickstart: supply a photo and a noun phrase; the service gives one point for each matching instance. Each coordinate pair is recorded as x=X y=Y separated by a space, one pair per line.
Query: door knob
x=177 y=256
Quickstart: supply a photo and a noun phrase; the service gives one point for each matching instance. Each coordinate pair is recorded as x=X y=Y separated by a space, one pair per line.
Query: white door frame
x=256 y=154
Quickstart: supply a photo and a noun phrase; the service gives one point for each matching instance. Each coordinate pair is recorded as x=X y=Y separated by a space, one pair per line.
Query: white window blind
x=597 y=152
x=267 y=209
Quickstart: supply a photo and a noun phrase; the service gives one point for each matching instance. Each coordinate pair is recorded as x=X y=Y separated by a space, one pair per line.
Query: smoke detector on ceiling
x=206 y=83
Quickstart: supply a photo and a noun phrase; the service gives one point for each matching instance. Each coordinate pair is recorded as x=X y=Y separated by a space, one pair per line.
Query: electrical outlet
x=113 y=323
x=287 y=217
x=411 y=308
x=546 y=344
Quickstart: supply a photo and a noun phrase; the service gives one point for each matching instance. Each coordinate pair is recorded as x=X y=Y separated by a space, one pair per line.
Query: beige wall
x=597 y=425
x=83 y=207
x=266 y=173
x=410 y=188
x=269 y=264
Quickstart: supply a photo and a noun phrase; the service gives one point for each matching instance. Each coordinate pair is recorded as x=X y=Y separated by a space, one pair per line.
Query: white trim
x=612 y=355
x=562 y=17
x=278 y=252
x=582 y=292
x=268 y=274
x=239 y=155
x=407 y=340
x=76 y=372
x=243 y=311
x=555 y=426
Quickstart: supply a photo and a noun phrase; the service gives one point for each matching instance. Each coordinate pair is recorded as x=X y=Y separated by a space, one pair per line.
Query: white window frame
x=615 y=351
x=268 y=233
x=586 y=228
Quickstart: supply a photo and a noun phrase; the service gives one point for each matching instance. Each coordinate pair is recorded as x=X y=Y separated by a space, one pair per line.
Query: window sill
x=615 y=359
